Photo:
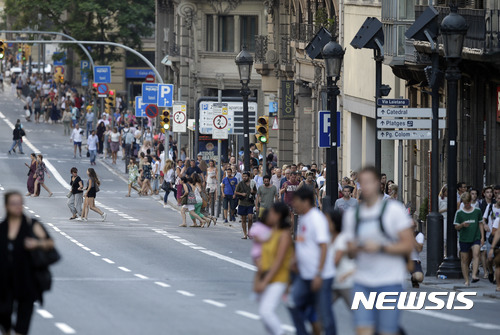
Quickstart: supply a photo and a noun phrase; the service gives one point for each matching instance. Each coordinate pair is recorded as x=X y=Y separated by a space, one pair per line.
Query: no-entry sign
x=150 y=78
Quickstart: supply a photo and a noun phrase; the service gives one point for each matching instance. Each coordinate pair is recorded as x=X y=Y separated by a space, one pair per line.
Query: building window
x=226 y=33
x=401 y=40
x=248 y=30
x=406 y=10
x=209 y=38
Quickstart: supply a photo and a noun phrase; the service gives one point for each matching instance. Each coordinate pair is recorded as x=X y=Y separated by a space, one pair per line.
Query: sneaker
x=103 y=216
x=78 y=218
x=225 y=220
x=10 y=153
x=84 y=219
x=415 y=284
x=14 y=150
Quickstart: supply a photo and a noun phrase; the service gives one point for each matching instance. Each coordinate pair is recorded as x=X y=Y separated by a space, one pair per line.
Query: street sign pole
x=219 y=161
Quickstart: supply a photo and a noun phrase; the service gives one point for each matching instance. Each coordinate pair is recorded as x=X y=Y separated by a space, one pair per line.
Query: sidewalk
x=483 y=287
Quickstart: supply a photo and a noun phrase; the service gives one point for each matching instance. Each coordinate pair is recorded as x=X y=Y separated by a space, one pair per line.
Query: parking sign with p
x=165 y=95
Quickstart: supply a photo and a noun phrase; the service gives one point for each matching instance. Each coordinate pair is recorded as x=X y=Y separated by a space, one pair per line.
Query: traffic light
x=61 y=78
x=23 y=53
x=94 y=90
x=165 y=120
x=2 y=49
x=262 y=129
x=110 y=102
x=27 y=50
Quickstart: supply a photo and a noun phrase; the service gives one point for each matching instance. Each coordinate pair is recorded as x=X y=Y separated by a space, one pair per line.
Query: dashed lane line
x=248 y=315
x=214 y=303
x=124 y=269
x=141 y=276
x=159 y=283
x=185 y=293
x=44 y=314
x=109 y=261
x=65 y=328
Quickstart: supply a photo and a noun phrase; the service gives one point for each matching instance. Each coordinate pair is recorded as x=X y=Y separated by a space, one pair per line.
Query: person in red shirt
x=288 y=190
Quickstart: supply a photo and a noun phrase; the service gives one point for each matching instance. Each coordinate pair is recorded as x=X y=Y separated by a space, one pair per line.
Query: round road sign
x=152 y=111
x=149 y=78
x=179 y=117
x=220 y=122
x=102 y=89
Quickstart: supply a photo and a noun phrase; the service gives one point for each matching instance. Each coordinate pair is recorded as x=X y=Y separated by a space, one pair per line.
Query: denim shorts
x=384 y=321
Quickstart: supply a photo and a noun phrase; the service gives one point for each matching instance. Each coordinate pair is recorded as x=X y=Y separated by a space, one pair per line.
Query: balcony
x=260 y=49
x=301 y=34
x=484 y=27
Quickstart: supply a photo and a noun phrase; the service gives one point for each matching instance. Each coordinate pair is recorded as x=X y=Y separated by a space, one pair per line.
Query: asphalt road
x=139 y=273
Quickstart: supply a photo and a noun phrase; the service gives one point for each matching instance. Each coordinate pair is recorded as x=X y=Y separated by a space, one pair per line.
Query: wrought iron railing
x=303 y=32
x=260 y=48
x=173 y=48
x=285 y=58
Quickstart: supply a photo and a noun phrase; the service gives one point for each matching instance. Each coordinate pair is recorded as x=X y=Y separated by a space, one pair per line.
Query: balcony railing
x=484 y=26
x=260 y=49
x=302 y=32
x=285 y=58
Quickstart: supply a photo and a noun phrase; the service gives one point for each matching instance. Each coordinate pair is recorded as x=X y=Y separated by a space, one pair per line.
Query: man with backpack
x=246 y=191
x=380 y=239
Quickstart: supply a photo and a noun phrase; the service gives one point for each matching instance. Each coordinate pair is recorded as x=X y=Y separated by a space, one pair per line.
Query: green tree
x=120 y=21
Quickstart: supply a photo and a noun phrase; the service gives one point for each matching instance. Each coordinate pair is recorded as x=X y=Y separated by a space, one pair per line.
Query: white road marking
x=214 y=303
x=288 y=328
x=198 y=248
x=185 y=293
x=141 y=276
x=37 y=216
x=108 y=261
x=65 y=328
x=159 y=283
x=86 y=249
x=124 y=269
x=44 y=314
x=95 y=254
x=56 y=229
x=80 y=245
x=441 y=315
x=487 y=326
x=230 y=260
x=248 y=315
x=32 y=212
x=63 y=233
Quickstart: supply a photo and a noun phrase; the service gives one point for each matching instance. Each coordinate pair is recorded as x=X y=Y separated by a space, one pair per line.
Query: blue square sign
x=150 y=93
x=324 y=129
x=140 y=107
x=165 y=95
x=102 y=74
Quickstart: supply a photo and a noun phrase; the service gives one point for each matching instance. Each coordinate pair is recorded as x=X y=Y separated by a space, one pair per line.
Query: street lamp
x=244 y=61
x=333 y=54
x=453 y=28
x=426 y=28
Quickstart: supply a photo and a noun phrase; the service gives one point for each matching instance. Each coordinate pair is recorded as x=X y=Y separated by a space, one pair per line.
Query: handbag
x=166 y=186
x=88 y=153
x=69 y=194
x=191 y=197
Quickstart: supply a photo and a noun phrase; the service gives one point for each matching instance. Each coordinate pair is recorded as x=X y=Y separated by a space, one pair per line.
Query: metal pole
x=451 y=264
x=434 y=219
x=53 y=33
x=179 y=97
x=219 y=162
x=245 y=92
x=378 y=84
x=332 y=167
x=400 y=170
x=43 y=58
x=138 y=54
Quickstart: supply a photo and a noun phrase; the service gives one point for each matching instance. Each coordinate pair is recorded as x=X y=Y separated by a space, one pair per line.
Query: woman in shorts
x=115 y=144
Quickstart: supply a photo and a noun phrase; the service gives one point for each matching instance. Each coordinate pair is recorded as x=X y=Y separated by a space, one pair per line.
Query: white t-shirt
x=415 y=256
x=162 y=160
x=345 y=265
x=378 y=269
x=115 y=137
x=312 y=231
x=92 y=142
x=76 y=136
x=156 y=168
x=495 y=214
x=475 y=205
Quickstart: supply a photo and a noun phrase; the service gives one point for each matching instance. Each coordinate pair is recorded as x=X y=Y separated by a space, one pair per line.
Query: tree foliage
x=120 y=21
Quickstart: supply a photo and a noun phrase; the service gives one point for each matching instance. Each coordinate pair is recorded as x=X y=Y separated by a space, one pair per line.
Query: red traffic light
x=111 y=92
x=94 y=85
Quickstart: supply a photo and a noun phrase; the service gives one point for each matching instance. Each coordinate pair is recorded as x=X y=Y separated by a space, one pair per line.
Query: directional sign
x=409 y=112
x=102 y=90
x=408 y=123
x=102 y=74
x=393 y=102
x=165 y=95
x=220 y=131
x=84 y=71
x=404 y=135
x=234 y=117
x=151 y=111
x=324 y=129
x=140 y=107
x=150 y=93
x=61 y=58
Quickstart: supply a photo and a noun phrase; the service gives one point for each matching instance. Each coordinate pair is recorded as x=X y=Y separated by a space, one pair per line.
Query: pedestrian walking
x=100 y=131
x=417 y=274
x=288 y=190
x=31 y=175
x=380 y=238
x=115 y=144
x=133 y=176
x=494 y=252
x=228 y=187
x=246 y=191
x=312 y=286
x=189 y=202
x=66 y=120
x=168 y=181
x=443 y=209
x=272 y=278
x=89 y=118
x=198 y=190
x=146 y=175
x=212 y=183
x=92 y=143
x=469 y=223
x=76 y=138
x=19 y=236
x=90 y=193
x=267 y=194
x=41 y=170
x=346 y=202
x=17 y=138
x=75 y=195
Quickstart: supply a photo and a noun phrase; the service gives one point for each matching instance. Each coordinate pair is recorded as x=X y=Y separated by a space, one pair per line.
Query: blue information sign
x=61 y=60
x=165 y=95
x=324 y=129
x=140 y=107
x=150 y=93
x=393 y=102
x=84 y=71
x=273 y=108
x=102 y=74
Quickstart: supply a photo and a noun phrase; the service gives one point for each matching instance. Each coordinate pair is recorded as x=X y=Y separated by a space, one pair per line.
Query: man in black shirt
x=193 y=168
